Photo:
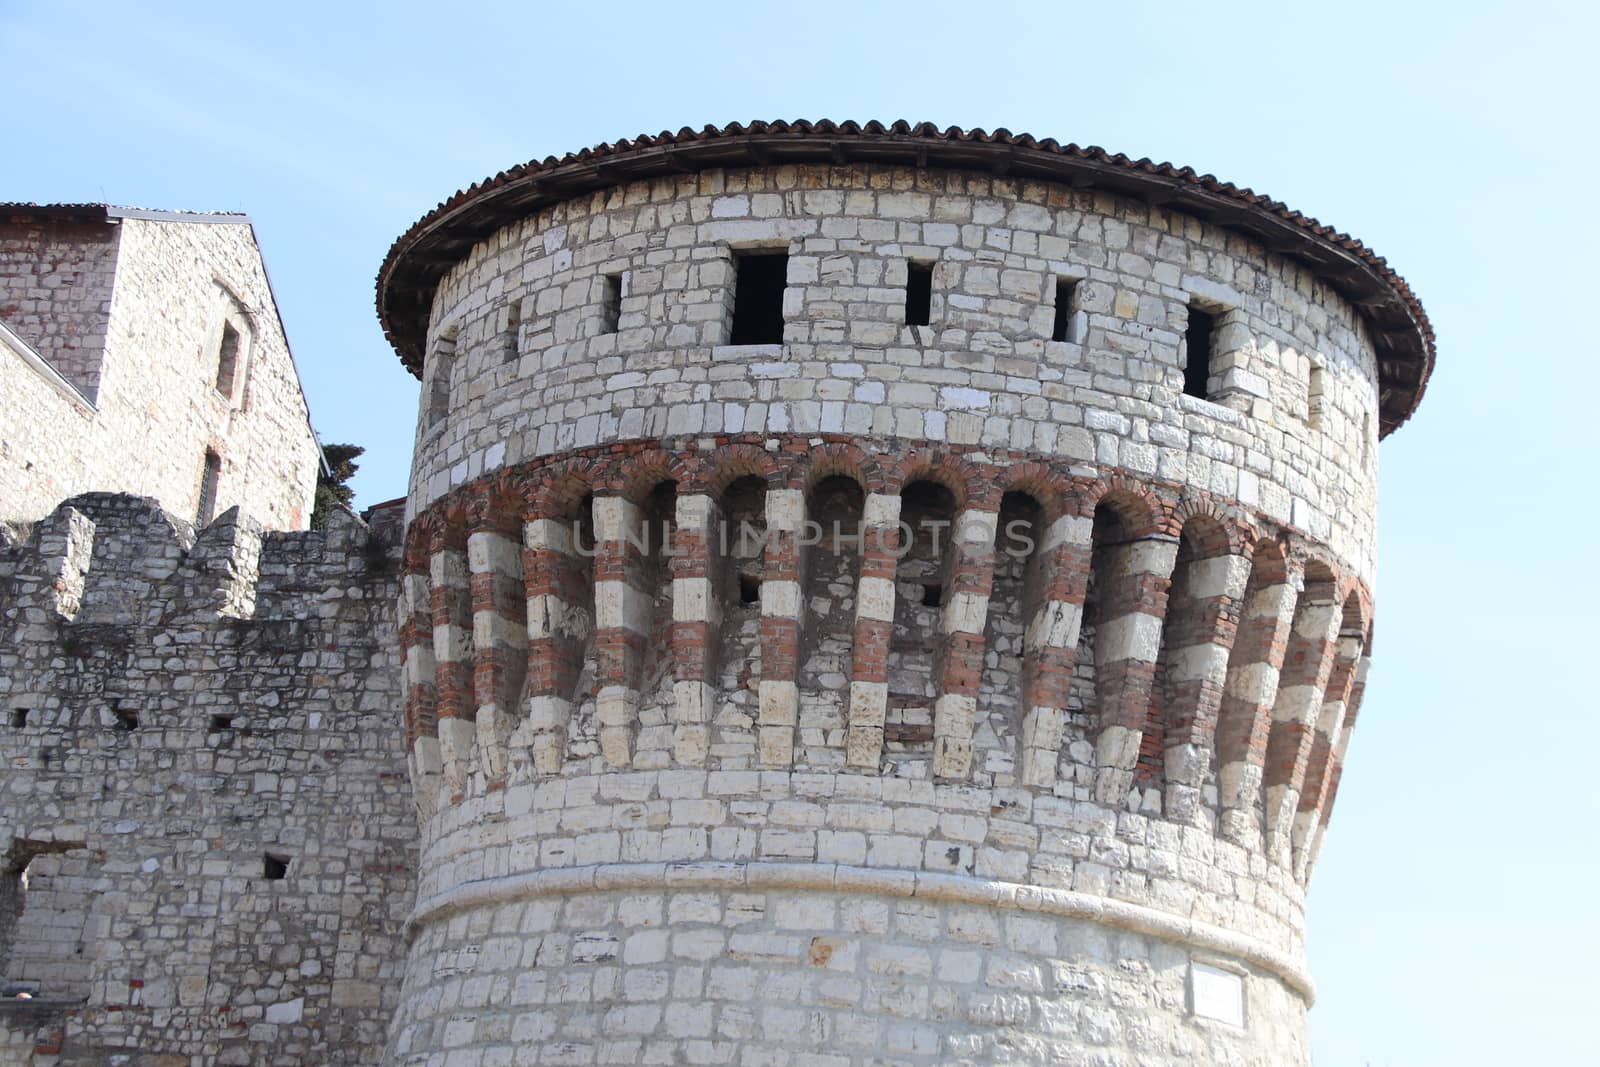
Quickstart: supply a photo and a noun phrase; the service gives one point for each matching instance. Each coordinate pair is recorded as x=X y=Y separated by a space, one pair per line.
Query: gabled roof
x=442 y=238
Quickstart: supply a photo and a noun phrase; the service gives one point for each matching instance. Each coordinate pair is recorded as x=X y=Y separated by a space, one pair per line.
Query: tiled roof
x=107 y=212
x=441 y=238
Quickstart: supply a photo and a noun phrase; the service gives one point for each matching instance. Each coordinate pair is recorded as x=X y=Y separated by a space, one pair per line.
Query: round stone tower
x=880 y=595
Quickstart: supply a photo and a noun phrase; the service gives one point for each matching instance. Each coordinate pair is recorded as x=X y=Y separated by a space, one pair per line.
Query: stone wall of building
x=204 y=816
x=534 y=370
x=50 y=446
x=188 y=293
x=939 y=793
x=56 y=277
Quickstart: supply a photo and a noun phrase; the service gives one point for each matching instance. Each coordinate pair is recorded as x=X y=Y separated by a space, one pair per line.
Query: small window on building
x=19 y=718
x=1198 y=341
x=513 y=339
x=1315 y=397
x=932 y=595
x=611 y=304
x=1066 y=308
x=749 y=589
x=919 y=293
x=123 y=719
x=759 y=280
x=220 y=723
x=228 y=360
x=274 y=867
x=209 y=479
x=441 y=367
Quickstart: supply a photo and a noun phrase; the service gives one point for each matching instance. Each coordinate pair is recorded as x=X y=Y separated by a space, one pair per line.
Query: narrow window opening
x=932 y=595
x=749 y=589
x=443 y=365
x=513 y=340
x=209 y=478
x=919 y=293
x=611 y=304
x=274 y=868
x=1315 y=397
x=219 y=723
x=1197 y=339
x=1066 y=289
x=125 y=720
x=759 y=281
x=19 y=718
x=228 y=360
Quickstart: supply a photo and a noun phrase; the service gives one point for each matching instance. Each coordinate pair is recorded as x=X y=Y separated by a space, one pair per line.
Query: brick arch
x=1209 y=527
x=1357 y=620
x=448 y=529
x=1053 y=492
x=836 y=458
x=960 y=476
x=419 y=536
x=561 y=487
x=636 y=477
x=1319 y=572
x=714 y=473
x=1139 y=507
x=1271 y=560
x=495 y=504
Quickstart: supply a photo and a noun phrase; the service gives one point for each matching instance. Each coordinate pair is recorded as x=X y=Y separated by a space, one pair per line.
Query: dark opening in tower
x=759 y=280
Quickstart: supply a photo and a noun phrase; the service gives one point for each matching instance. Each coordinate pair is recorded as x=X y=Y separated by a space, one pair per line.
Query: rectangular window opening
x=126 y=720
x=611 y=304
x=19 y=718
x=749 y=589
x=209 y=478
x=442 y=366
x=759 y=280
x=219 y=723
x=1066 y=289
x=227 y=360
x=274 y=868
x=513 y=331
x=1198 y=340
x=919 y=293
x=932 y=595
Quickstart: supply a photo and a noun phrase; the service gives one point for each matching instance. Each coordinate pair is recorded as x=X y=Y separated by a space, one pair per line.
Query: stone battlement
x=198 y=724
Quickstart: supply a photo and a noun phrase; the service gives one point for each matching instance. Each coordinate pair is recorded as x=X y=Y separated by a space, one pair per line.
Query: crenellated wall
x=181 y=710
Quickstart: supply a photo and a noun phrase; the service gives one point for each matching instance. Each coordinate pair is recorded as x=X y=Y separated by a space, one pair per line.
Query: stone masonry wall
x=929 y=799
x=56 y=279
x=535 y=372
x=178 y=284
x=205 y=786
x=50 y=447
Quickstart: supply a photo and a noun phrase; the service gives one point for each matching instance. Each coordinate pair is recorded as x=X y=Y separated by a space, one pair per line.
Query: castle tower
x=988 y=700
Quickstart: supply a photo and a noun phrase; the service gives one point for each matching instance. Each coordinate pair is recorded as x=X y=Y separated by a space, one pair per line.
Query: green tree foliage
x=331 y=487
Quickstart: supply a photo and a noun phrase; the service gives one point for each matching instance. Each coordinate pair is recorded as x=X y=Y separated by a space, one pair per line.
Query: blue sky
x=1453 y=916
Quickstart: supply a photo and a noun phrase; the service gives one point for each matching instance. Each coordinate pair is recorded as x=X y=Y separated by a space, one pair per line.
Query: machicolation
x=866 y=595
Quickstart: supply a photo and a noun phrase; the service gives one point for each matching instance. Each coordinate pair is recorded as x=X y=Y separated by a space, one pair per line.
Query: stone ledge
x=826 y=877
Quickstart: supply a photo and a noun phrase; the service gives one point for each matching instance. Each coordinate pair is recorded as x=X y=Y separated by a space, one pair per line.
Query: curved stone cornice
x=839 y=878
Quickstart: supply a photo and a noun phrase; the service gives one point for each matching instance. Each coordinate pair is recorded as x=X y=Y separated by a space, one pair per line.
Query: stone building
x=1032 y=764
x=142 y=353
x=868 y=595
